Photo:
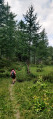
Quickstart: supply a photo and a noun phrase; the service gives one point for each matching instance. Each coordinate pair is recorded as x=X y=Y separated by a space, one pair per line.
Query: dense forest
x=23 y=40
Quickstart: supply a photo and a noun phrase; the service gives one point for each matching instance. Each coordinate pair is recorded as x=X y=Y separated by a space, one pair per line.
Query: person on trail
x=13 y=75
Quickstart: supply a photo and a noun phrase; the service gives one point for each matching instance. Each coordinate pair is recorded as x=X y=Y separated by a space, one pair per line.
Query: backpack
x=12 y=74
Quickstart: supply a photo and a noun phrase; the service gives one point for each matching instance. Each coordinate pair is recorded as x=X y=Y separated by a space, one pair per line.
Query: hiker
x=13 y=75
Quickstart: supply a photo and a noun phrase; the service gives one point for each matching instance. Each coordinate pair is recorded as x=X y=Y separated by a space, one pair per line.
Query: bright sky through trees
x=43 y=8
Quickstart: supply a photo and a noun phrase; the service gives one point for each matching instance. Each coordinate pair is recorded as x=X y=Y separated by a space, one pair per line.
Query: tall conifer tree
x=32 y=27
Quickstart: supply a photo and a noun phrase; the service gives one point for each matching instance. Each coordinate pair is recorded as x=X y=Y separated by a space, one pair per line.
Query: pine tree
x=7 y=31
x=21 y=41
x=32 y=28
x=42 y=52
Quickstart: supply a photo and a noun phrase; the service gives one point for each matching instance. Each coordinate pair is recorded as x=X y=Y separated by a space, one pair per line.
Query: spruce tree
x=21 y=45
x=42 y=52
x=7 y=31
x=32 y=28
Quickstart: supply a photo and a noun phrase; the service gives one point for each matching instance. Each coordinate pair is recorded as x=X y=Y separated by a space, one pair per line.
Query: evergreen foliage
x=23 y=40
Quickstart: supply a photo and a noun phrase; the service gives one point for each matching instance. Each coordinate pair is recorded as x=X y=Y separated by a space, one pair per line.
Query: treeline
x=23 y=40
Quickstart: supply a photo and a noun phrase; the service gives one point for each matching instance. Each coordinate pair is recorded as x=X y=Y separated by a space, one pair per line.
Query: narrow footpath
x=14 y=104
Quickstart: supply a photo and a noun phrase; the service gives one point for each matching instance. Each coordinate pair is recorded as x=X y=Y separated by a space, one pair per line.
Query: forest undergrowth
x=33 y=92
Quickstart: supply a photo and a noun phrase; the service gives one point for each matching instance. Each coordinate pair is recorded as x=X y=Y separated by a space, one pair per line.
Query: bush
x=4 y=75
x=20 y=77
x=32 y=75
x=2 y=70
x=4 y=62
x=35 y=80
x=39 y=104
x=48 y=77
x=7 y=74
x=39 y=70
x=15 y=66
x=1 y=75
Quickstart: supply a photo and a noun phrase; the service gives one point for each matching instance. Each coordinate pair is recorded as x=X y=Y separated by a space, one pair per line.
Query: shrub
x=42 y=86
x=33 y=88
x=7 y=74
x=39 y=104
x=35 y=80
x=1 y=75
x=20 y=77
x=32 y=75
x=48 y=77
x=4 y=62
x=2 y=70
x=39 y=70
x=4 y=75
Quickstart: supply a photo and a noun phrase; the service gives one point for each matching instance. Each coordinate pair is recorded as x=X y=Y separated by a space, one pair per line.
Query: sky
x=44 y=10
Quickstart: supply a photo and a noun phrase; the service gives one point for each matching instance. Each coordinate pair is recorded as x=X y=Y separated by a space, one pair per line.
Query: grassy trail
x=9 y=109
x=14 y=104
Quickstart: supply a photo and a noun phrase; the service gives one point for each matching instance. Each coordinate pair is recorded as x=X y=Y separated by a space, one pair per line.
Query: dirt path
x=14 y=103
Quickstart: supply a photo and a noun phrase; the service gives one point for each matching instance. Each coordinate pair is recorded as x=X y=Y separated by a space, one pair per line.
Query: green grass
x=35 y=100
x=46 y=70
x=6 y=110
